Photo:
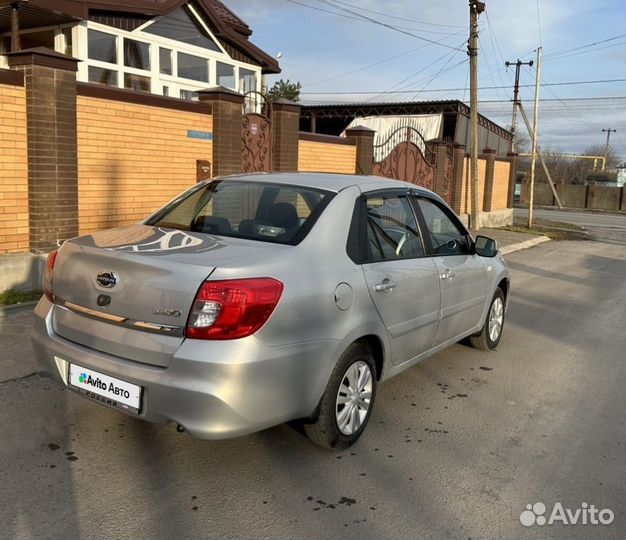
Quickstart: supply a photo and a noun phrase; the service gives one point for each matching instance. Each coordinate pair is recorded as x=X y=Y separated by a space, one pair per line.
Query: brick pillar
x=512 y=157
x=440 y=150
x=50 y=82
x=364 y=140
x=457 y=177
x=285 y=129
x=489 y=155
x=227 y=126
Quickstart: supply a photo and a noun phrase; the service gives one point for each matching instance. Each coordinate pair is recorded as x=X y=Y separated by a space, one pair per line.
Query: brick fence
x=75 y=158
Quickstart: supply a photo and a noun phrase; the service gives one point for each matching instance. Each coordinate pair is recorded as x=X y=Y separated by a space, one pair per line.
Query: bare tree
x=612 y=159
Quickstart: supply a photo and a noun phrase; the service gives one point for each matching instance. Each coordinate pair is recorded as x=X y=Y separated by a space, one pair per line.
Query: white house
x=171 y=47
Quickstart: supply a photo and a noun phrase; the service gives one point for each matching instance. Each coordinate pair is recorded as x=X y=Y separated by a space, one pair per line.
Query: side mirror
x=485 y=247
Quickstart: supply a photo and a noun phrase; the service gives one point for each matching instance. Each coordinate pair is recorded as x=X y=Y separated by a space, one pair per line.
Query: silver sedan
x=249 y=301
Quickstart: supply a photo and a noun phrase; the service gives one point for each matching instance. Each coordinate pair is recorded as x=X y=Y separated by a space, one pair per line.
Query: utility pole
x=517 y=104
x=533 y=161
x=518 y=66
x=476 y=8
x=606 y=148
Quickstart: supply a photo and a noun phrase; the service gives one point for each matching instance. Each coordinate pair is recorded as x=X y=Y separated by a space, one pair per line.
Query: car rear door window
x=253 y=210
x=391 y=229
x=445 y=236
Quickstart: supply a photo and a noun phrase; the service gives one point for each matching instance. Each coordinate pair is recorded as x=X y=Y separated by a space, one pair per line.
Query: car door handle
x=386 y=285
x=448 y=274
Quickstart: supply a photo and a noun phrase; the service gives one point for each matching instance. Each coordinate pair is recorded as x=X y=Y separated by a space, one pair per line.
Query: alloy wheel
x=496 y=319
x=354 y=398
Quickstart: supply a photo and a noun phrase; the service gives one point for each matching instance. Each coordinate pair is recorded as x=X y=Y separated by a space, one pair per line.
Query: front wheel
x=489 y=336
x=347 y=402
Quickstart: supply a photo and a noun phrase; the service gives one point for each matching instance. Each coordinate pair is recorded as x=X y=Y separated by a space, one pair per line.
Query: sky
x=335 y=53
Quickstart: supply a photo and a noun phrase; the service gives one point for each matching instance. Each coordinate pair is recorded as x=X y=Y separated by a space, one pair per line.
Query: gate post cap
x=42 y=56
x=220 y=93
x=283 y=104
x=360 y=131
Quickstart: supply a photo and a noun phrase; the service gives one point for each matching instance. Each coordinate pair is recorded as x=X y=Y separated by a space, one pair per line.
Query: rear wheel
x=489 y=336
x=347 y=402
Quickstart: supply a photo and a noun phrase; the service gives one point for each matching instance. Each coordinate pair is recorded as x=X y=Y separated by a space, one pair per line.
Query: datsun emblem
x=107 y=279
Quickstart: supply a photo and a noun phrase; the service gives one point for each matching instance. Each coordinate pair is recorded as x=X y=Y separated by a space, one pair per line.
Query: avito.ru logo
x=587 y=514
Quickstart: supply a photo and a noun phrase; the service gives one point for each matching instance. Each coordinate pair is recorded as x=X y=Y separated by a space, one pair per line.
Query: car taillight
x=232 y=309
x=47 y=275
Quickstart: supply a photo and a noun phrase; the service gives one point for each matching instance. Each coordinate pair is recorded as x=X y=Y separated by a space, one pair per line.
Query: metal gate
x=256 y=133
x=405 y=155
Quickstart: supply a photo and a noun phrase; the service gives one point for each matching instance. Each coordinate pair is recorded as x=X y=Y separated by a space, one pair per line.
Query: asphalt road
x=457 y=447
x=604 y=227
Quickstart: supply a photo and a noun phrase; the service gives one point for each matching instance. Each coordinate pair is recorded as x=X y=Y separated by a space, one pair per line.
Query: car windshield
x=268 y=212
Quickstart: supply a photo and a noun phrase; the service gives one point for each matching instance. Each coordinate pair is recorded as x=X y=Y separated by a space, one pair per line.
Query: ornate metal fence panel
x=405 y=155
x=256 y=133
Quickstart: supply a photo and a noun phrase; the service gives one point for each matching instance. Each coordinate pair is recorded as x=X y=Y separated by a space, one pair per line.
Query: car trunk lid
x=128 y=291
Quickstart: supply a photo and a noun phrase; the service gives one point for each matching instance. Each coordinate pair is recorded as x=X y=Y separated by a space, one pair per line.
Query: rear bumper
x=214 y=389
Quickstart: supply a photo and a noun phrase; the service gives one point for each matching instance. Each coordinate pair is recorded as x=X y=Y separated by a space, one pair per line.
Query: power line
x=399 y=84
x=585 y=46
x=441 y=70
x=398 y=18
x=563 y=83
x=362 y=68
x=380 y=23
x=578 y=53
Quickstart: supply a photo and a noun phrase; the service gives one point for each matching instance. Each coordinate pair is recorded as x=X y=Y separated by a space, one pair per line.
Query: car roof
x=327 y=181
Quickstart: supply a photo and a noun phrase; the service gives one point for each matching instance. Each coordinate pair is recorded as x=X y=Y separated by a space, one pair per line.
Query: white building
x=171 y=47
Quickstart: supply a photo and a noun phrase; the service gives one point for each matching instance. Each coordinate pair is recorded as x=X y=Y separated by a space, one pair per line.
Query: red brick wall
x=13 y=170
x=134 y=158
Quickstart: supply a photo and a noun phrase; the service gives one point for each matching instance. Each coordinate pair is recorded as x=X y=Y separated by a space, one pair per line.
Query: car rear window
x=267 y=212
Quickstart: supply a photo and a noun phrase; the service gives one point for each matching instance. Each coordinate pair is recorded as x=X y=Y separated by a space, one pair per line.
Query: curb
x=12 y=308
x=524 y=245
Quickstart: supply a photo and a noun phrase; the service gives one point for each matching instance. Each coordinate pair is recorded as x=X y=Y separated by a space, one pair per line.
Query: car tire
x=332 y=429
x=489 y=336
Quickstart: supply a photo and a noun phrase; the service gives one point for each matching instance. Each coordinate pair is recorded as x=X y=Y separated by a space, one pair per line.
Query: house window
x=68 y=45
x=247 y=80
x=193 y=67
x=180 y=26
x=165 y=61
x=136 y=54
x=102 y=46
x=189 y=95
x=225 y=75
x=136 y=82
x=102 y=76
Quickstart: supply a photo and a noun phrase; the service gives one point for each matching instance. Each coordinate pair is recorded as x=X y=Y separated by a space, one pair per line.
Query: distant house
x=444 y=120
x=166 y=47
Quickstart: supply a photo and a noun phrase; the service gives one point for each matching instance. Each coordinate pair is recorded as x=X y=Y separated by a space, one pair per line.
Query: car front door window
x=445 y=237
x=392 y=230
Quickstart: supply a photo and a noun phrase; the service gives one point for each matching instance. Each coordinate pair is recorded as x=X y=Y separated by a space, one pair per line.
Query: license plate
x=105 y=389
